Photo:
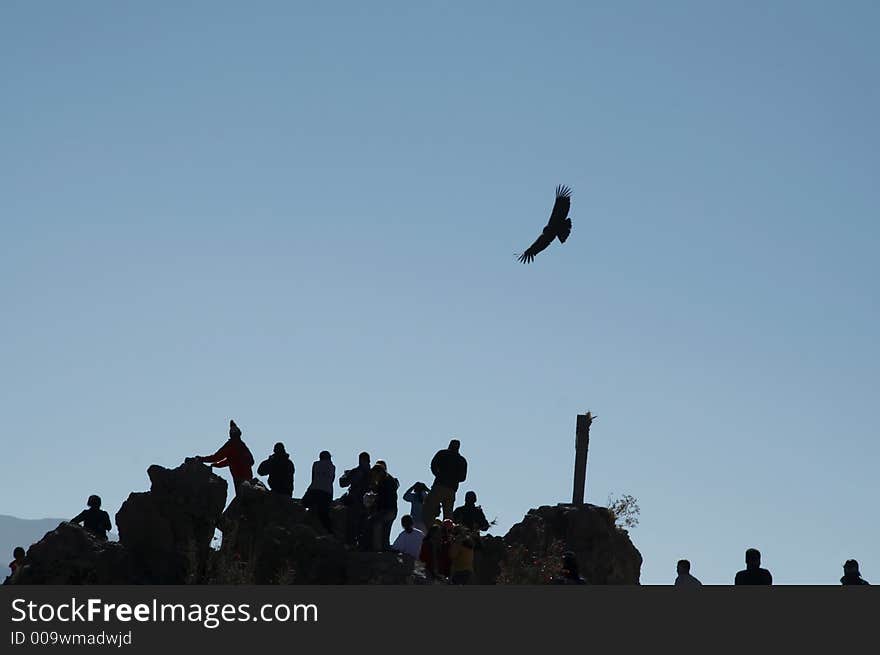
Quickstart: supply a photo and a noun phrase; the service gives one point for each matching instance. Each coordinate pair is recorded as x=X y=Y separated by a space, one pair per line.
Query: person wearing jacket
x=319 y=495
x=384 y=511
x=358 y=482
x=415 y=496
x=94 y=519
x=234 y=454
x=461 y=556
x=449 y=469
x=435 y=551
x=471 y=515
x=280 y=469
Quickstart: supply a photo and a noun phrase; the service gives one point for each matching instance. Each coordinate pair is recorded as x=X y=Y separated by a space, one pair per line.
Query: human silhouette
x=357 y=480
x=16 y=566
x=461 y=556
x=753 y=573
x=319 y=495
x=570 y=573
x=444 y=551
x=429 y=553
x=415 y=496
x=94 y=519
x=234 y=454
x=280 y=469
x=409 y=540
x=435 y=552
x=684 y=578
x=384 y=510
x=851 y=574
x=471 y=515
x=558 y=227
x=449 y=469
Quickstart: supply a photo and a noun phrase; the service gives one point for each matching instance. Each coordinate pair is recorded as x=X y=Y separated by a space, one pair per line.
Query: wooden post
x=582 y=444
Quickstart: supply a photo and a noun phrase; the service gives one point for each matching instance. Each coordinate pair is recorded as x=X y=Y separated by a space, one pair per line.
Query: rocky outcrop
x=165 y=538
x=605 y=553
x=71 y=555
x=379 y=568
x=168 y=529
x=270 y=539
x=488 y=557
x=275 y=539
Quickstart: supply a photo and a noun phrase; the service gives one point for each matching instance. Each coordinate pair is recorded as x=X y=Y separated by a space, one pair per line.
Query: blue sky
x=304 y=217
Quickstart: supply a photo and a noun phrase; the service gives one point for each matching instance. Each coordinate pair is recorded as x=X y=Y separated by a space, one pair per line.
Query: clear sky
x=303 y=216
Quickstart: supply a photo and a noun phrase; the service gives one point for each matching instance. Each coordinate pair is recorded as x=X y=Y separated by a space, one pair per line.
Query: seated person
x=409 y=541
x=94 y=519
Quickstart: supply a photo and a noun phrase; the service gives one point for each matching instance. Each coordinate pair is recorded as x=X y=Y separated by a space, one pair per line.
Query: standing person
x=409 y=540
x=319 y=495
x=358 y=482
x=851 y=574
x=385 y=509
x=429 y=552
x=685 y=579
x=415 y=496
x=471 y=515
x=280 y=469
x=234 y=454
x=449 y=469
x=461 y=556
x=94 y=519
x=753 y=573
x=444 y=552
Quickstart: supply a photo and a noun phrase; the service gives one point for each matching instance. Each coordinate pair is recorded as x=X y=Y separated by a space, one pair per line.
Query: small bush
x=624 y=510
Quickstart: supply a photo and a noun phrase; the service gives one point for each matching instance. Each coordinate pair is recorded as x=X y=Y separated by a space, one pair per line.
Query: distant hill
x=20 y=532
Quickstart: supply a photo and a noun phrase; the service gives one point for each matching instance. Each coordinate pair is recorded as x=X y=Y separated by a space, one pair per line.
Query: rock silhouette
x=71 y=555
x=606 y=554
x=168 y=529
x=166 y=534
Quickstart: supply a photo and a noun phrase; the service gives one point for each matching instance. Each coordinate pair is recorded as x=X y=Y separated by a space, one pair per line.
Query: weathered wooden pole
x=582 y=444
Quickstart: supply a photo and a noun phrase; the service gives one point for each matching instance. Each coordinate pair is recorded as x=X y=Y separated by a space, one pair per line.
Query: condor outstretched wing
x=559 y=225
x=561 y=206
x=540 y=243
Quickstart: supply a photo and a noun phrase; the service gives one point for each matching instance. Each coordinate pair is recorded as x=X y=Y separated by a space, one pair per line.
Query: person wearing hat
x=94 y=519
x=851 y=574
x=280 y=469
x=234 y=454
